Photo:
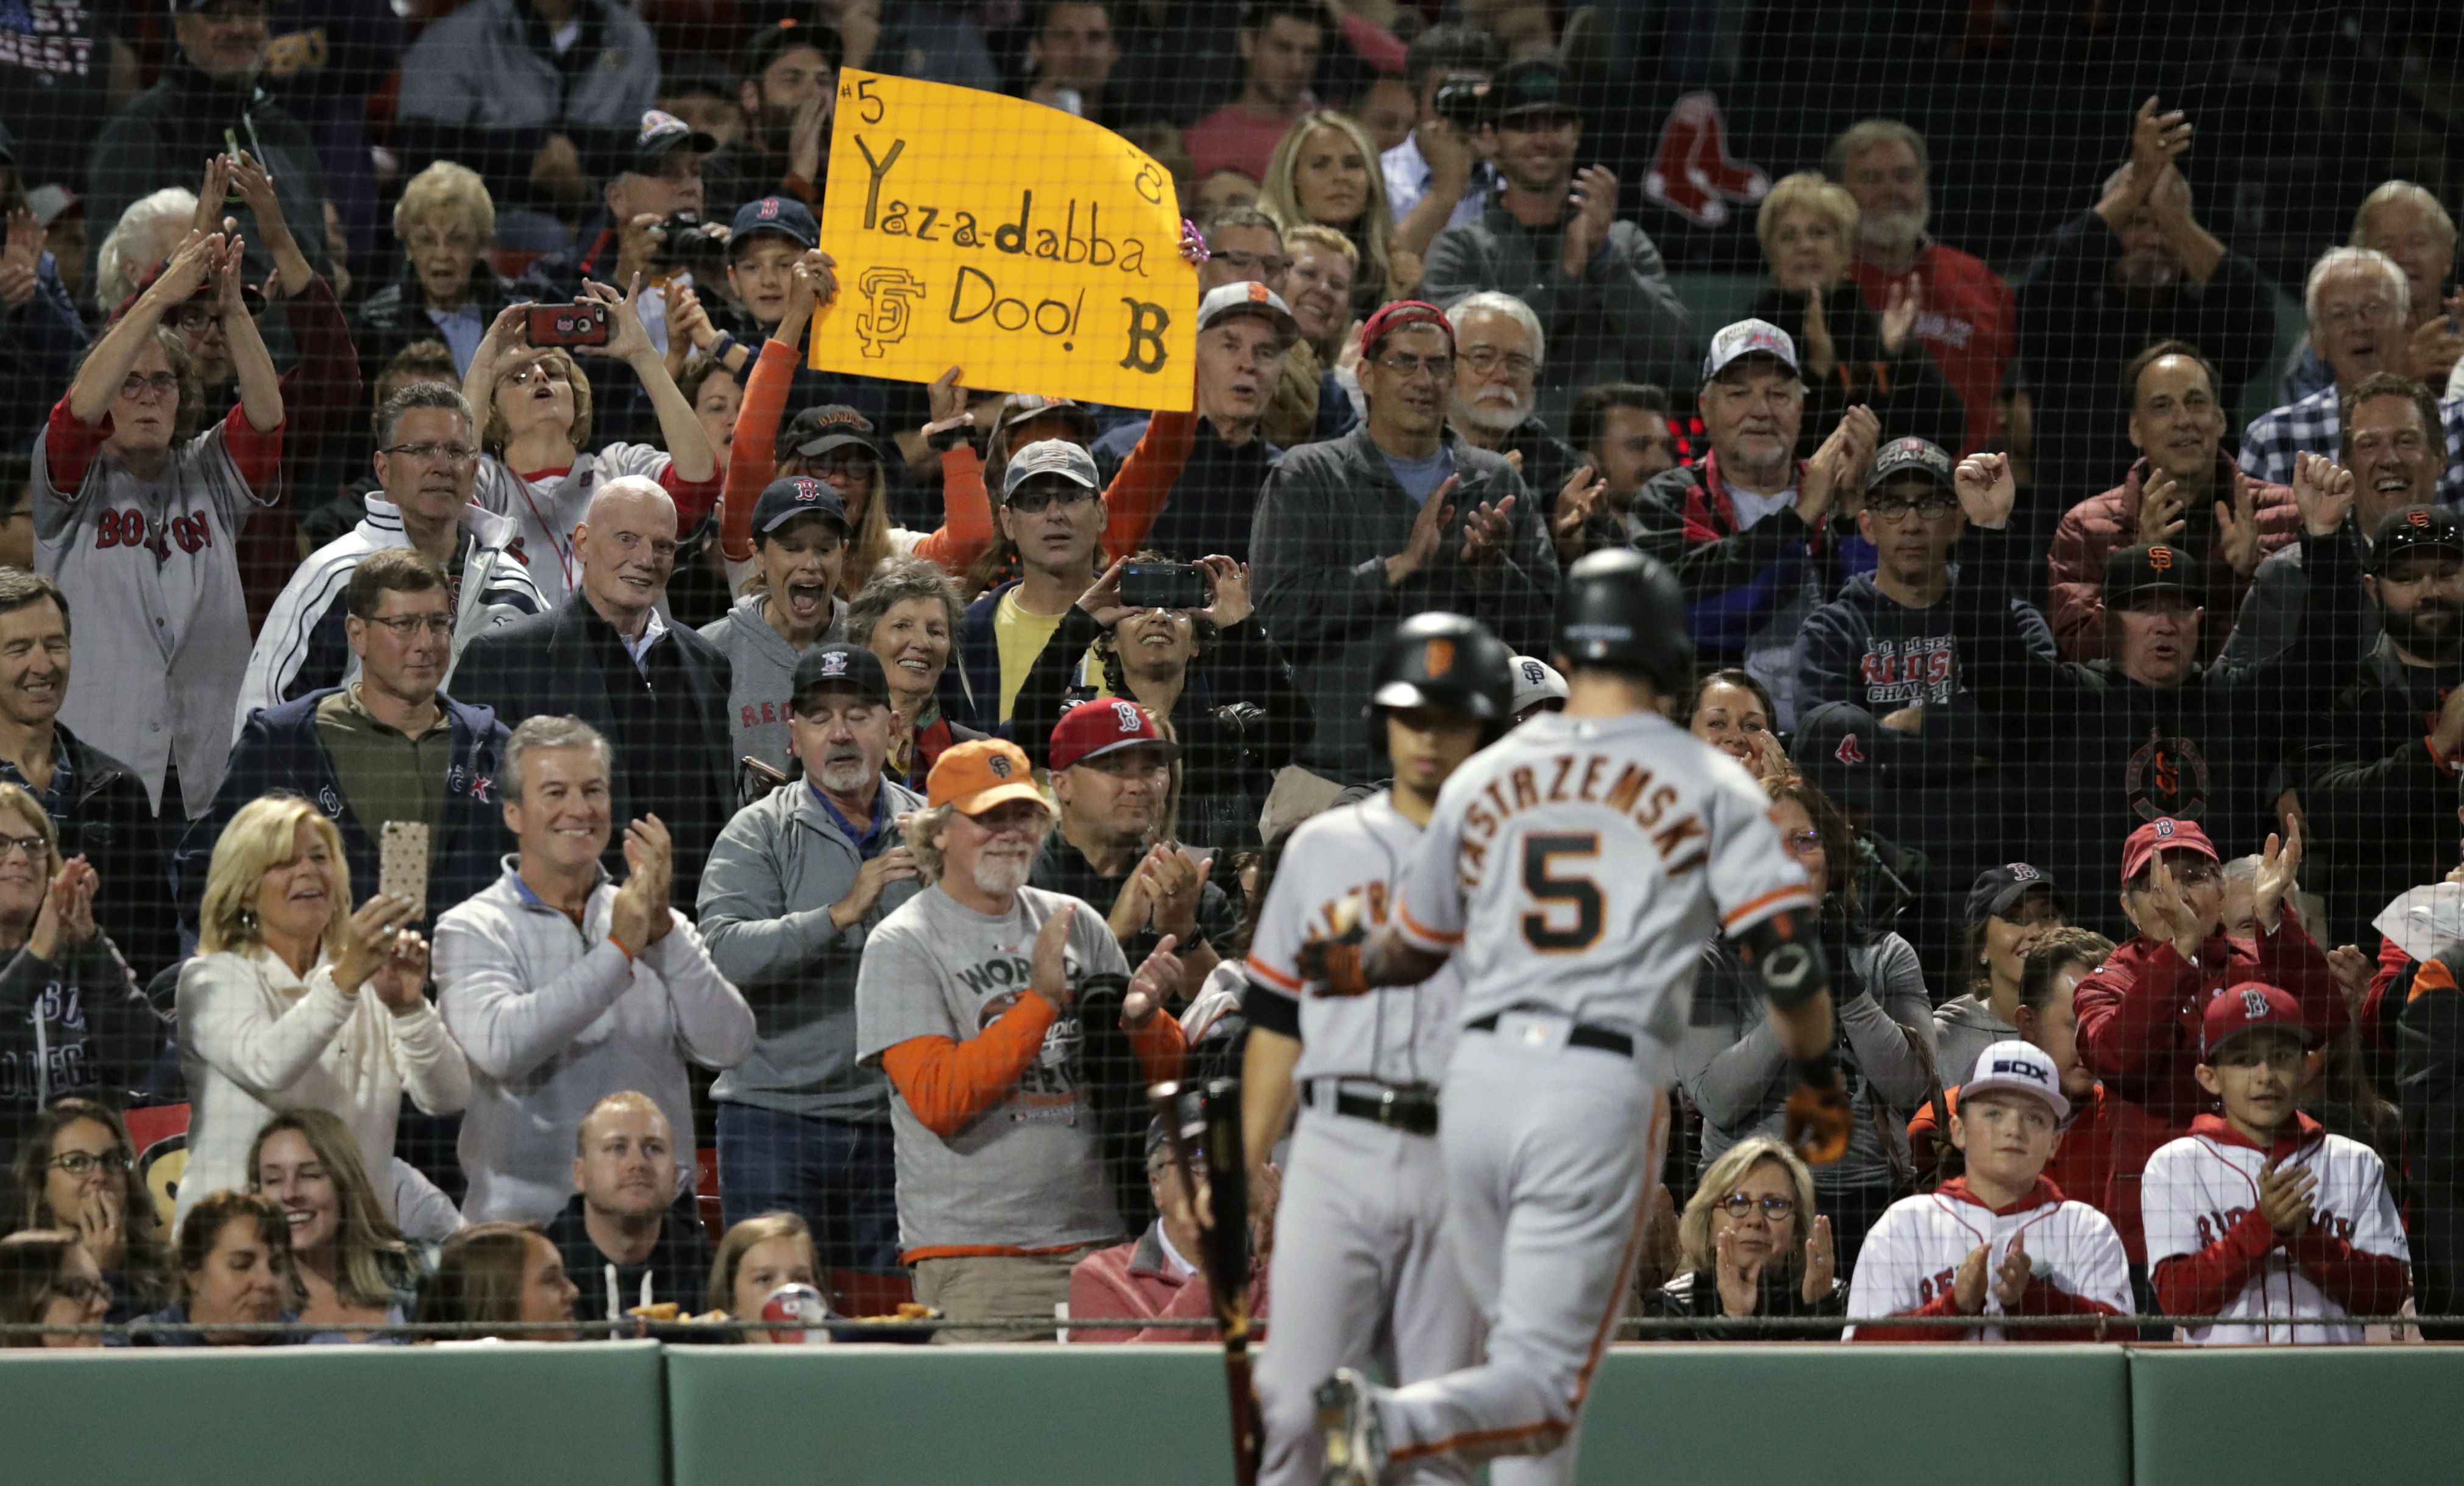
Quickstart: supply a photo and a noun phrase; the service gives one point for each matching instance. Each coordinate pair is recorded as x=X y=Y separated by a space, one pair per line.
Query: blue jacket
x=278 y=752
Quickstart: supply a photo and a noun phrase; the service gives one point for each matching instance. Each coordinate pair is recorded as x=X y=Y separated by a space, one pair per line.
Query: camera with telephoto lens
x=687 y=243
x=1463 y=101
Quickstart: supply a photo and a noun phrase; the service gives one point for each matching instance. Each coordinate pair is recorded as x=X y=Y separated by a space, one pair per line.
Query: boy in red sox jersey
x=1999 y=1243
x=2259 y=1213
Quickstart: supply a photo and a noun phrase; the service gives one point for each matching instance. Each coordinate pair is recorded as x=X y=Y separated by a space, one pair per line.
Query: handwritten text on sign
x=1039 y=252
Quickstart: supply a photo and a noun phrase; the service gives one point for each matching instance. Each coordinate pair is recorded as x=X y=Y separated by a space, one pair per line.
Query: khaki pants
x=997 y=1284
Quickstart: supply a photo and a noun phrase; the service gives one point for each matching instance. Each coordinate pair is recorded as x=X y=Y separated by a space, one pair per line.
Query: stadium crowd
x=629 y=827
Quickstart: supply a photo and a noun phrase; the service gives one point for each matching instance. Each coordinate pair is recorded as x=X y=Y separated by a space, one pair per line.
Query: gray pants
x=1550 y=1152
x=1362 y=1276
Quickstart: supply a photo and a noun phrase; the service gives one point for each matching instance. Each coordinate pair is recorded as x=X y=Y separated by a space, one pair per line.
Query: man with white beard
x=1499 y=351
x=967 y=998
x=1968 y=318
x=796 y=884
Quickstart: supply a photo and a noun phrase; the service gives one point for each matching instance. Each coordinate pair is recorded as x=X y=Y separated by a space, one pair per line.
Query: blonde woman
x=446 y=222
x=1753 y=1246
x=1325 y=171
x=295 y=1001
x=1847 y=354
x=356 y=1271
x=757 y=1256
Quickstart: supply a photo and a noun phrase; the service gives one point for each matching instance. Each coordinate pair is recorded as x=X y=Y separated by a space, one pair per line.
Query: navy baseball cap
x=783 y=216
x=840 y=664
x=1837 y=747
x=817 y=430
x=1997 y=890
x=2415 y=529
x=1911 y=456
x=786 y=499
x=2132 y=573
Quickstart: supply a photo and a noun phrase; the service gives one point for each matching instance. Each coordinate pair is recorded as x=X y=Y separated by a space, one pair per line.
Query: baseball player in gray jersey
x=1577 y=868
x=1363 y=1269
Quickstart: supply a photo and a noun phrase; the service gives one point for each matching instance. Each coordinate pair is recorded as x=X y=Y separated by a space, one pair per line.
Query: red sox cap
x=2163 y=834
x=2245 y=1008
x=1092 y=729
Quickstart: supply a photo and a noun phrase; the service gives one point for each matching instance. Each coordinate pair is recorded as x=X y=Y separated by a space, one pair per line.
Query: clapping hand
x=1158 y=981
x=67 y=915
x=1821 y=1262
x=1900 y=314
x=2160 y=513
x=1487 y=531
x=640 y=916
x=1428 y=530
x=1578 y=499
x=2278 y=866
x=21 y=260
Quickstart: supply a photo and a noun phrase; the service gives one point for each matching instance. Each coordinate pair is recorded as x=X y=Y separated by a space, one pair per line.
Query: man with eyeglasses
x=388 y=744
x=426 y=462
x=1498 y=353
x=1052 y=514
x=1552 y=238
x=1398 y=516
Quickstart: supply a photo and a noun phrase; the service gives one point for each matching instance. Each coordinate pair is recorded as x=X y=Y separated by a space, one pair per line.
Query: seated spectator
x=295 y=1001
x=2391 y=444
x=537 y=419
x=1157 y=1273
x=832 y=444
x=565 y=988
x=446 y=222
x=2040 y=1254
x=1396 y=517
x=1734 y=1070
x=657 y=692
x=1499 y=355
x=122 y=454
x=137 y=246
x=1211 y=675
x=1324 y=173
x=966 y=999
x=2407 y=224
x=2138 y=1013
x=756 y=1259
x=2054 y=963
x=1552 y=237
x=490 y=87
x=1281 y=42
x=1747 y=531
x=2107 y=746
x=1732 y=710
x=2135 y=269
x=235 y=1271
x=210 y=80
x=1854 y=355
x=2008 y=910
x=783 y=103
x=74 y=1021
x=1753 y=1245
x=505 y=1276
x=1071 y=56
x=799 y=534
x=47 y=1277
x=1324 y=265
x=1435 y=176
x=2375 y=785
x=629 y=1234
x=798 y=881
x=76 y=1172
x=1051 y=516
x=389 y=746
x=2258 y=1214
x=1968 y=318
x=1111 y=774
x=2359 y=305
x=40 y=332
x=909 y=616
x=426 y=461
x=1621 y=431
x=354 y=1270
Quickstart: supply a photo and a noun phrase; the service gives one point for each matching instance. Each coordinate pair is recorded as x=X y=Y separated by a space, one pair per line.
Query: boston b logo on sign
x=1034 y=248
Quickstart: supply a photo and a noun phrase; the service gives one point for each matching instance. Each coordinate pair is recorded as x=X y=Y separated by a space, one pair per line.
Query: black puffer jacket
x=1696 y=1292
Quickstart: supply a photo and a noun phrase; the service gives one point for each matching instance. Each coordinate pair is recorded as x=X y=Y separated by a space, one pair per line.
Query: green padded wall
x=472 y=1415
x=2229 y=1416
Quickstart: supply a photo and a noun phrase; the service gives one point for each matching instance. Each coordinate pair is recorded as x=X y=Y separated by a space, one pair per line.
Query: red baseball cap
x=2163 y=834
x=2239 y=1009
x=1092 y=729
x=1402 y=313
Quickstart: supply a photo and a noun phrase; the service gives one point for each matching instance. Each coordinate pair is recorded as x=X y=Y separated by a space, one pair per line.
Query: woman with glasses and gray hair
x=1753 y=1246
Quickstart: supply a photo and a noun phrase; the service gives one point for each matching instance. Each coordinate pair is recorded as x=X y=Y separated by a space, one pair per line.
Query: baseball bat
x=1223 y=1248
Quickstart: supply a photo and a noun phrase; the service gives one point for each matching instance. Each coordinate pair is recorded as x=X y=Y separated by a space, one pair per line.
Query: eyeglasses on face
x=406 y=626
x=1440 y=367
x=84 y=1164
x=1260 y=265
x=34 y=847
x=1899 y=508
x=1036 y=495
x=136 y=387
x=1485 y=360
x=1739 y=1205
x=431 y=453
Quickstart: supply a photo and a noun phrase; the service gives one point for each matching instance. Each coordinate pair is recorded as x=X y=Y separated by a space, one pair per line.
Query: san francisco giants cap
x=980 y=774
x=1092 y=729
x=1536 y=682
x=2415 y=529
x=2134 y=574
x=2020 y=1066
x=817 y=430
x=2163 y=834
x=2246 y=1008
x=1248 y=297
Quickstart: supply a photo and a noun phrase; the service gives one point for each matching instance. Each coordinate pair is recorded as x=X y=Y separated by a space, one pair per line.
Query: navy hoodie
x=1868 y=649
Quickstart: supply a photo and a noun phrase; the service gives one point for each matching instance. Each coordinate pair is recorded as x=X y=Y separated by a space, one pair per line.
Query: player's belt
x=1410 y=1109
x=1607 y=1039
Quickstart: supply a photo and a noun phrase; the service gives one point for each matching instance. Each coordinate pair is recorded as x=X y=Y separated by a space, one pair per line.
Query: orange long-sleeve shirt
x=947 y=1083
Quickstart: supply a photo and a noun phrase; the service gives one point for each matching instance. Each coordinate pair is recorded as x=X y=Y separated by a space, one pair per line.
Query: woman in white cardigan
x=295 y=1001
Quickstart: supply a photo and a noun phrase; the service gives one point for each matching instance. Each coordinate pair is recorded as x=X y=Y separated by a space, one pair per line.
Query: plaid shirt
x=2312 y=425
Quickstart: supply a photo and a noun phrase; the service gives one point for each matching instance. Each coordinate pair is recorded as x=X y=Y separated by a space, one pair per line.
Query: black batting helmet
x=1623 y=611
x=1447 y=661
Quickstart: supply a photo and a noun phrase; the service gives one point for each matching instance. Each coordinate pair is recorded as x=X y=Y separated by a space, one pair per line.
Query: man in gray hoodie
x=800 y=535
x=795 y=886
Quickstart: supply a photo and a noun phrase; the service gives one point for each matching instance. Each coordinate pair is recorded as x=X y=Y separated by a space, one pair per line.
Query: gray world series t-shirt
x=1022 y=1175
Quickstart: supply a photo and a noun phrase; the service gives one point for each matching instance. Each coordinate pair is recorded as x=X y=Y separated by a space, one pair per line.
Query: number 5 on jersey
x=1570 y=913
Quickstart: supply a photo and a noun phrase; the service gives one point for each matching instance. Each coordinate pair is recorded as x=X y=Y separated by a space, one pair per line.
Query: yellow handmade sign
x=1038 y=252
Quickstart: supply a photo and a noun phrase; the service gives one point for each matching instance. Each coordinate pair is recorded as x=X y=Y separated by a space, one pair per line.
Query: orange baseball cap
x=978 y=776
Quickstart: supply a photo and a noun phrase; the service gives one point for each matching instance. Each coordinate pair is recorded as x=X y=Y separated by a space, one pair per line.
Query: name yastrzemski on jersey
x=1581 y=777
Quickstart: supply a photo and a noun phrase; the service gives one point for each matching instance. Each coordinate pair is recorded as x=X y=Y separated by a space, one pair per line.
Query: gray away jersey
x=1402 y=1034
x=1580 y=864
